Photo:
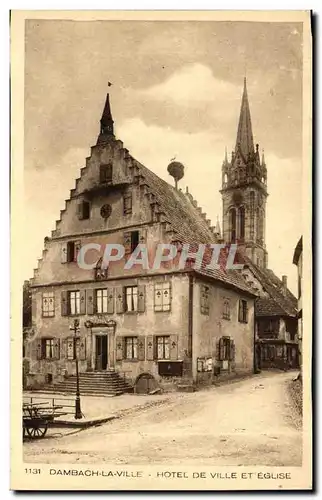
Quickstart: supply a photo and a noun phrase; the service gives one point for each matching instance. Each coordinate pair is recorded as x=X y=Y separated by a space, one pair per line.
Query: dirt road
x=250 y=422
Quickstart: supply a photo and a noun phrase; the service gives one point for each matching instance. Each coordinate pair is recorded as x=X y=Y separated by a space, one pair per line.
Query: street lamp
x=78 y=411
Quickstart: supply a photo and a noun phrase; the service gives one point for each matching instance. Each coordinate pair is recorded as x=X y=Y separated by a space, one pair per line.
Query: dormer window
x=106 y=174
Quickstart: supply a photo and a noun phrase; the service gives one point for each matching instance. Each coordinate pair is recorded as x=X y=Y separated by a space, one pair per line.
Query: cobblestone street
x=250 y=422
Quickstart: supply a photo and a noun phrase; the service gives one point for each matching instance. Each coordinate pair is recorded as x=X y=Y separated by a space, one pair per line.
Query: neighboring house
x=166 y=325
x=298 y=261
x=244 y=194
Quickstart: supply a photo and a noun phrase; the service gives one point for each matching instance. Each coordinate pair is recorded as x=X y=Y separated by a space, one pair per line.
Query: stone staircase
x=105 y=383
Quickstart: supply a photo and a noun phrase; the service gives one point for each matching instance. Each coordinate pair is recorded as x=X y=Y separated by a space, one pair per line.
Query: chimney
x=284 y=280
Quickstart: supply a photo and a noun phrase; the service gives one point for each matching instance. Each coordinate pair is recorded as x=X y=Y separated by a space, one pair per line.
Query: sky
x=176 y=92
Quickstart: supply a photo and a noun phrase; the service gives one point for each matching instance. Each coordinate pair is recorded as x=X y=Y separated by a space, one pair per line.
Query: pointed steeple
x=245 y=139
x=107 y=123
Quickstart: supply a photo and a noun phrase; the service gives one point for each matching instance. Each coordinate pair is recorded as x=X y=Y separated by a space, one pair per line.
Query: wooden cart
x=36 y=418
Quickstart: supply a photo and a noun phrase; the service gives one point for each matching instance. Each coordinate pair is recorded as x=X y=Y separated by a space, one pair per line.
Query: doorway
x=101 y=355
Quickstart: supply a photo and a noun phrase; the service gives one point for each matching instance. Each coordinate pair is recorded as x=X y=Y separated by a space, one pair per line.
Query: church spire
x=107 y=123
x=245 y=139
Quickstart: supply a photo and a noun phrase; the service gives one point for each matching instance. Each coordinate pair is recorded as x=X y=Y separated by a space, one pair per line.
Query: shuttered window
x=226 y=349
x=162 y=297
x=131 y=347
x=101 y=301
x=163 y=347
x=48 y=304
x=74 y=302
x=49 y=348
x=73 y=348
x=131 y=298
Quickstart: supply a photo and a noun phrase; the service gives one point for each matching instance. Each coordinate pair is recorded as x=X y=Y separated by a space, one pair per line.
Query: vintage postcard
x=161 y=250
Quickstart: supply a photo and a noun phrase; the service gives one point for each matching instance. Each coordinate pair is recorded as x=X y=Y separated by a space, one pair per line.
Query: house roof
x=280 y=301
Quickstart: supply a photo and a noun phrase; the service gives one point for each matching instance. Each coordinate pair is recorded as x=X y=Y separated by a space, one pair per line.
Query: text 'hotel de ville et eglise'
x=167 y=328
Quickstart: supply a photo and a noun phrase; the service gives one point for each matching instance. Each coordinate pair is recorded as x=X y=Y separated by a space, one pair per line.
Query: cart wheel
x=37 y=432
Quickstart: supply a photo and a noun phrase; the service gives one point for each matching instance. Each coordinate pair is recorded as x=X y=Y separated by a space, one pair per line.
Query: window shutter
x=119 y=300
x=158 y=292
x=82 y=300
x=110 y=300
x=246 y=312
x=77 y=247
x=119 y=348
x=141 y=348
x=141 y=298
x=91 y=295
x=232 y=351
x=174 y=347
x=64 y=303
x=82 y=349
x=221 y=349
x=64 y=348
x=39 y=349
x=127 y=242
x=150 y=349
x=167 y=297
x=64 y=253
x=56 y=349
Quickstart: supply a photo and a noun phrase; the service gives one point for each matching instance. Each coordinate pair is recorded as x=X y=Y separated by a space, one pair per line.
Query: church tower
x=244 y=191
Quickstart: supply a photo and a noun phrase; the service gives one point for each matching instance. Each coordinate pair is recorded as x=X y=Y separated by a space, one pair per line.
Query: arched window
x=225 y=178
x=242 y=223
x=232 y=224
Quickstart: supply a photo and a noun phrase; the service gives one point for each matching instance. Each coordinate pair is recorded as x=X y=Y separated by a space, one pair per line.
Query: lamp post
x=78 y=411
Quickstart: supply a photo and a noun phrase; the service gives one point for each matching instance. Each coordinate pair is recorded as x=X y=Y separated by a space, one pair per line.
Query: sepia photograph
x=161 y=183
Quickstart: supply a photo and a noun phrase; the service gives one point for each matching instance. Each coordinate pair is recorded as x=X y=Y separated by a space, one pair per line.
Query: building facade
x=165 y=325
x=244 y=194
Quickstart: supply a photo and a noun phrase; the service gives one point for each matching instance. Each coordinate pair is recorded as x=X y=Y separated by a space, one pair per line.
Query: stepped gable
x=185 y=218
x=280 y=302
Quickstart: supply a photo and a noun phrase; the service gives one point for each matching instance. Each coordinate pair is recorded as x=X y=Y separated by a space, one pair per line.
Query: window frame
x=162 y=287
x=42 y=305
x=77 y=301
x=44 y=342
x=226 y=312
x=125 y=289
x=243 y=311
x=165 y=341
x=104 y=295
x=76 y=347
x=104 y=169
x=204 y=299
